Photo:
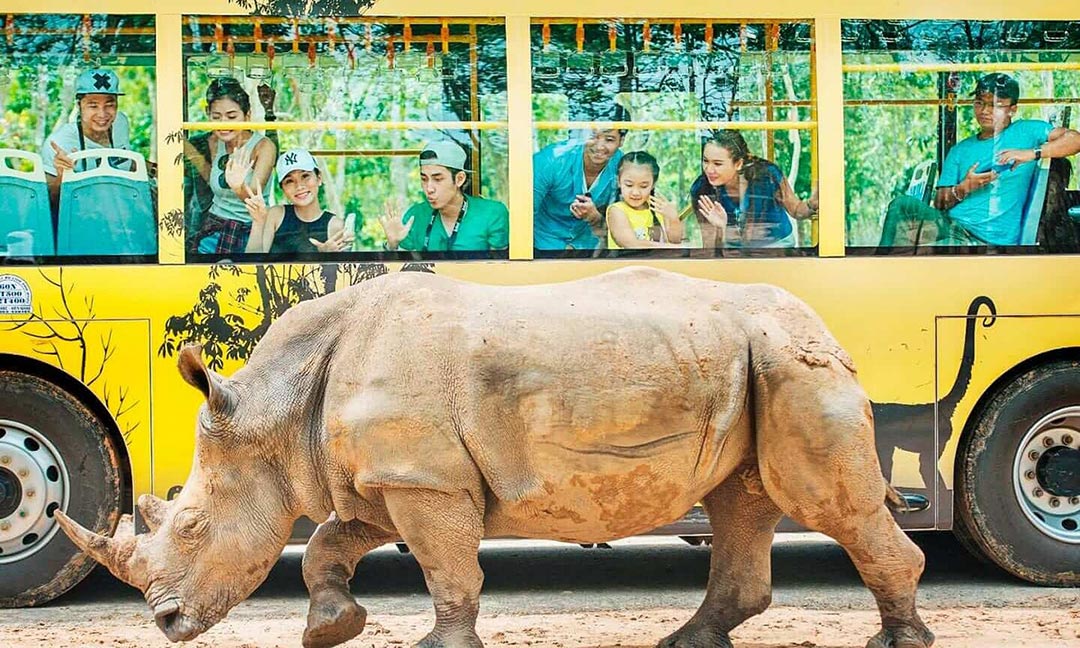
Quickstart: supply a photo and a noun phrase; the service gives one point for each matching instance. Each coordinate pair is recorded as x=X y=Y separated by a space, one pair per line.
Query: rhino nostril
x=166 y=615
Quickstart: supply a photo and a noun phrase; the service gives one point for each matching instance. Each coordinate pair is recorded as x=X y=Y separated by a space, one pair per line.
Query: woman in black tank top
x=302 y=225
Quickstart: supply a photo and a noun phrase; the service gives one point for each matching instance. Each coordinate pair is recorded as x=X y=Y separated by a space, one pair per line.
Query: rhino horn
x=153 y=510
x=115 y=553
x=219 y=396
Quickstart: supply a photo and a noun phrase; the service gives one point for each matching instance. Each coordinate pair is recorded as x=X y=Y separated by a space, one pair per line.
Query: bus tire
x=1018 y=477
x=54 y=452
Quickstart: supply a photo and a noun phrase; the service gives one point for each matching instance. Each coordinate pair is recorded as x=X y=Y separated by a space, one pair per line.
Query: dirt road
x=569 y=597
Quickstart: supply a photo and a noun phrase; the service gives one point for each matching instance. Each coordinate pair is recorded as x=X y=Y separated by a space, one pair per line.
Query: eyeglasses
x=980 y=105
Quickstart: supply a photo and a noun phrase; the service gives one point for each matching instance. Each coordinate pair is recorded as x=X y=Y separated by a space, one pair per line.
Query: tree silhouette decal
x=305 y=7
x=66 y=327
x=221 y=320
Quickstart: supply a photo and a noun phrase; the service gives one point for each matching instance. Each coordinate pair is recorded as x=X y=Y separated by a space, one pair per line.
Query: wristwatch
x=1038 y=154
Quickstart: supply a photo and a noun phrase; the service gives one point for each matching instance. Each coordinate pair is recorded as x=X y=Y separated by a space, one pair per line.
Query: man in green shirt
x=449 y=221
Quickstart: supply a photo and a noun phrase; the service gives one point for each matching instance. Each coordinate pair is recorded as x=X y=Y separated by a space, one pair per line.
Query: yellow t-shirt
x=640 y=221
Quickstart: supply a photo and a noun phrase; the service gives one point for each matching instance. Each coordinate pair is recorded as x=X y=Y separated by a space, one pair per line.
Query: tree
x=229 y=320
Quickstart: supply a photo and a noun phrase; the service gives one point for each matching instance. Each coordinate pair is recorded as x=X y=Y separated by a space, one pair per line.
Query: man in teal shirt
x=449 y=221
x=573 y=183
x=985 y=178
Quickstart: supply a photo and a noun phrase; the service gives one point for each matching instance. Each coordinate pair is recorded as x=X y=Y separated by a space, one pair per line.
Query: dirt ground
x=280 y=624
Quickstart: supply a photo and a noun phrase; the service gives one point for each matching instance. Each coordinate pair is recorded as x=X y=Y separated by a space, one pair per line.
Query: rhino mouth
x=176 y=626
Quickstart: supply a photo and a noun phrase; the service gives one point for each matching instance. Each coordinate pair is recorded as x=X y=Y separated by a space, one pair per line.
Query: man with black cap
x=100 y=125
x=573 y=183
x=985 y=178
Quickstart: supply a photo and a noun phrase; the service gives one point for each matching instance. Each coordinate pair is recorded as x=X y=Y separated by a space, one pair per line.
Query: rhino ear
x=219 y=396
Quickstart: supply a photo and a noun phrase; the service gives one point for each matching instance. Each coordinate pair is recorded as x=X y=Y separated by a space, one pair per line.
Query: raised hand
x=396 y=231
x=238 y=167
x=62 y=161
x=337 y=243
x=713 y=211
x=664 y=207
x=256 y=206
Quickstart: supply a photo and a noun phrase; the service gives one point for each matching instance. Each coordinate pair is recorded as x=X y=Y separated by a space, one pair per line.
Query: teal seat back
x=1033 y=208
x=105 y=210
x=26 y=228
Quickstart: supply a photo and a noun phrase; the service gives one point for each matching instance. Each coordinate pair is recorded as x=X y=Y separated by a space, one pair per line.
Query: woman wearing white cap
x=302 y=225
x=99 y=125
x=449 y=221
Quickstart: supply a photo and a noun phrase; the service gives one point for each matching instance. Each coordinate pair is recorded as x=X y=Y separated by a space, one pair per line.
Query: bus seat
x=923 y=177
x=1033 y=208
x=26 y=227
x=105 y=210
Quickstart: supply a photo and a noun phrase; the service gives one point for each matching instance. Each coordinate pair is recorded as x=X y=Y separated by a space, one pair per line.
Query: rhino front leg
x=743 y=521
x=334 y=617
x=444 y=531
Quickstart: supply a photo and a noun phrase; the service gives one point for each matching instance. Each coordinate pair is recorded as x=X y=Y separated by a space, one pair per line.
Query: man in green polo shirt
x=449 y=221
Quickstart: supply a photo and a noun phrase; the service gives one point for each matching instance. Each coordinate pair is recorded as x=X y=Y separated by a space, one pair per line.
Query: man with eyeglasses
x=986 y=178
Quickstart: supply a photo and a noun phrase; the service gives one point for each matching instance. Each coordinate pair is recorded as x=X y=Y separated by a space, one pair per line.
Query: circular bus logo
x=15 y=296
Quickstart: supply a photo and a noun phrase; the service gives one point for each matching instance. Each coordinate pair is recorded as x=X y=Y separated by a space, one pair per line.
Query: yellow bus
x=824 y=146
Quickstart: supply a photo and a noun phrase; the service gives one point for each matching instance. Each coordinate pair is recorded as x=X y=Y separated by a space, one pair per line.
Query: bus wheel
x=54 y=454
x=1018 y=477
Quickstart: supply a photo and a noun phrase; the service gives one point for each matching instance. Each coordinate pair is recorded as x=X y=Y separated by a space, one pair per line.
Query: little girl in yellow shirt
x=641 y=219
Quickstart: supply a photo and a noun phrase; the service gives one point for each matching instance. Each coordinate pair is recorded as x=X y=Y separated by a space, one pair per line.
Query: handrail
x=660 y=125
x=494 y=125
x=344 y=125
x=957 y=67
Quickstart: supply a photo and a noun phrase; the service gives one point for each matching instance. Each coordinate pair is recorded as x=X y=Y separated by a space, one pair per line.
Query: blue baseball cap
x=97 y=81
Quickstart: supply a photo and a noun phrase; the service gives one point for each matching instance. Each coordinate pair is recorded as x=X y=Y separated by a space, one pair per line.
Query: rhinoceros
x=422 y=409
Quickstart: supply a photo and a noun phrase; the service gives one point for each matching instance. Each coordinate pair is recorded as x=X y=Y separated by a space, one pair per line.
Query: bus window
x=373 y=138
x=77 y=144
x=974 y=102
x=672 y=137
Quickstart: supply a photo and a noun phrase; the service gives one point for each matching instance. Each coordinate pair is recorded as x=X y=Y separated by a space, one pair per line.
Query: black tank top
x=293 y=234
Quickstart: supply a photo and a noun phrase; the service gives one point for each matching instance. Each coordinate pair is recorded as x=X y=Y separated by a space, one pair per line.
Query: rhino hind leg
x=743 y=520
x=443 y=531
x=818 y=463
x=334 y=616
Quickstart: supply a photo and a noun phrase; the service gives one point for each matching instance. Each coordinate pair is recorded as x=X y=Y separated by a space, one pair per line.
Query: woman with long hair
x=742 y=200
x=240 y=158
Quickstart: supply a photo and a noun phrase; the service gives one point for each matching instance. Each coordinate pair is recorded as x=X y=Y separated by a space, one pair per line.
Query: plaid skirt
x=232 y=235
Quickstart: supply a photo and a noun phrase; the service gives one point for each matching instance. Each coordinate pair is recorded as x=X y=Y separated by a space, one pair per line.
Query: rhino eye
x=190 y=524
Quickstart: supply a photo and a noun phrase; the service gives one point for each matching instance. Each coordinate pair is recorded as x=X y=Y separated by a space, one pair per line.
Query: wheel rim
x=1051 y=503
x=33 y=484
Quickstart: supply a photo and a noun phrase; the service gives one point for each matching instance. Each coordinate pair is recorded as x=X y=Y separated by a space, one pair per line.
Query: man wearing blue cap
x=99 y=125
x=573 y=183
x=985 y=178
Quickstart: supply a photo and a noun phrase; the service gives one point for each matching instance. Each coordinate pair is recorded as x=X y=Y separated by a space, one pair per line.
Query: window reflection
x=76 y=133
x=607 y=93
x=985 y=112
x=359 y=100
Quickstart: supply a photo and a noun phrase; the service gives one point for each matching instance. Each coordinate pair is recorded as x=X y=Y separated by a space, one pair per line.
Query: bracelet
x=956 y=196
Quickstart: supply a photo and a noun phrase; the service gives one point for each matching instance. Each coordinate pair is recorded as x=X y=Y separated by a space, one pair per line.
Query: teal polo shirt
x=485 y=226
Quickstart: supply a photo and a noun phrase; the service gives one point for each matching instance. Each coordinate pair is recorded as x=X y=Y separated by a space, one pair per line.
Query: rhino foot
x=696 y=636
x=334 y=617
x=467 y=639
x=902 y=637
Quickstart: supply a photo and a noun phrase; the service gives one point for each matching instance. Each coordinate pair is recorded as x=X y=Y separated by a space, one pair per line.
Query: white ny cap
x=296 y=159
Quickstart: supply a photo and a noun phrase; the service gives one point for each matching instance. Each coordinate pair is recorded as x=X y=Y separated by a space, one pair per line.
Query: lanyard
x=82 y=141
x=453 y=232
